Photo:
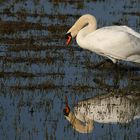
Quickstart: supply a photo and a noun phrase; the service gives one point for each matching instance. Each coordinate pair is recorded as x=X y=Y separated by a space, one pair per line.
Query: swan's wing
x=129 y=30
x=115 y=43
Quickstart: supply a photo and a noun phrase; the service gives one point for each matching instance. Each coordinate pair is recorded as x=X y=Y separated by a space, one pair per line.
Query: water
x=37 y=69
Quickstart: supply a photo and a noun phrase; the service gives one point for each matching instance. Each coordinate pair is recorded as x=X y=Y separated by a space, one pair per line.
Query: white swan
x=103 y=109
x=114 y=42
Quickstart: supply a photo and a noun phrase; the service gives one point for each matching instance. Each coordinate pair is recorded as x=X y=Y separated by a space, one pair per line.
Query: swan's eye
x=68 y=38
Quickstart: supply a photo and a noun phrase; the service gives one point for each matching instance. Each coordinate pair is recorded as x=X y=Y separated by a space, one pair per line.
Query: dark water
x=37 y=69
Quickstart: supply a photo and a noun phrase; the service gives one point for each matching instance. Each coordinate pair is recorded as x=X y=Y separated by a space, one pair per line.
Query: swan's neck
x=83 y=26
x=91 y=27
x=78 y=125
x=91 y=23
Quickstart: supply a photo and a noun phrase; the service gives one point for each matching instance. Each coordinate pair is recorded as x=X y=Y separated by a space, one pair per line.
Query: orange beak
x=68 y=38
x=67 y=108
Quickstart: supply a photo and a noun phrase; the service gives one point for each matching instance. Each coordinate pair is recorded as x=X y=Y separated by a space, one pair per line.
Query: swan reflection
x=103 y=109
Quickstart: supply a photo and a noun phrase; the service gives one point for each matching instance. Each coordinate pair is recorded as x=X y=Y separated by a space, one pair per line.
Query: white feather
x=114 y=42
x=118 y=42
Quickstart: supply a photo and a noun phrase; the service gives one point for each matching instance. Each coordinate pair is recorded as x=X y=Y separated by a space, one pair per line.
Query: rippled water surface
x=37 y=69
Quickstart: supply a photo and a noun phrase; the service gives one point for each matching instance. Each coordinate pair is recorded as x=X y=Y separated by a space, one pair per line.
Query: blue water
x=31 y=107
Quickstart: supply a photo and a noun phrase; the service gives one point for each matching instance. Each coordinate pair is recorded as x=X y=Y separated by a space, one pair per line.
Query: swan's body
x=105 y=109
x=114 y=42
x=112 y=109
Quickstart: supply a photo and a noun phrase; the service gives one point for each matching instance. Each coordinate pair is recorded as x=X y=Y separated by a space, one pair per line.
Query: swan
x=108 y=108
x=113 y=42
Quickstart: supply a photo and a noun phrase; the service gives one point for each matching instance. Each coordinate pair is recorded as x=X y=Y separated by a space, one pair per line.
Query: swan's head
x=68 y=38
x=72 y=32
x=66 y=110
x=82 y=22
